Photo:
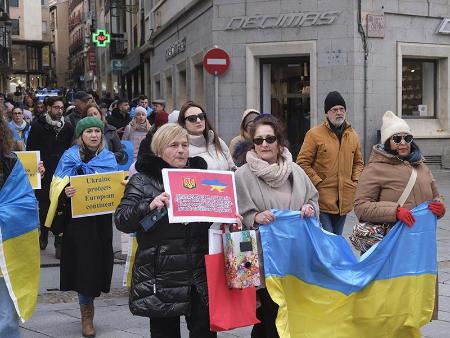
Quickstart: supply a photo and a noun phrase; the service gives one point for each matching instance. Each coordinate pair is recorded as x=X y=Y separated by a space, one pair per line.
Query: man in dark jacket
x=120 y=117
x=51 y=135
x=81 y=100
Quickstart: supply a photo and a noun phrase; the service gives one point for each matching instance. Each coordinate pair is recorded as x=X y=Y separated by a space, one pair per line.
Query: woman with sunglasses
x=384 y=179
x=203 y=140
x=271 y=180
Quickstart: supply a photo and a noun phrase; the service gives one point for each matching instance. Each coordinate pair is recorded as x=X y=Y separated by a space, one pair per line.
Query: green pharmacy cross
x=101 y=38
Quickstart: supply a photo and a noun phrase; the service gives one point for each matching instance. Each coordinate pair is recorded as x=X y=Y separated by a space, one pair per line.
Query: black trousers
x=197 y=322
x=267 y=314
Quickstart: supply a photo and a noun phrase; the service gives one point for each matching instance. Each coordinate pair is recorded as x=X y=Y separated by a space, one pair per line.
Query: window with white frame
x=419 y=88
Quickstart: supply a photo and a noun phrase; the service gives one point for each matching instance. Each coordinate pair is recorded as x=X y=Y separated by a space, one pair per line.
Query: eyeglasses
x=397 y=139
x=58 y=107
x=337 y=110
x=193 y=118
x=269 y=139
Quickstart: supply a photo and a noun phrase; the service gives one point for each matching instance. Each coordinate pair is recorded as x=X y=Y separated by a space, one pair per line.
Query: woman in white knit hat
x=377 y=199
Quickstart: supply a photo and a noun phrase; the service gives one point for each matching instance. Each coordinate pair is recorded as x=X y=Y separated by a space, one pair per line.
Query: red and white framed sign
x=200 y=195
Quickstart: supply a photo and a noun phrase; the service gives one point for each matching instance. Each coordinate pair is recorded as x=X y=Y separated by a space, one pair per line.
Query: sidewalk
x=58 y=314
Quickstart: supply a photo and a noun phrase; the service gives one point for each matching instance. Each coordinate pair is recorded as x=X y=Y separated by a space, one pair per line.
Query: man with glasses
x=331 y=157
x=51 y=135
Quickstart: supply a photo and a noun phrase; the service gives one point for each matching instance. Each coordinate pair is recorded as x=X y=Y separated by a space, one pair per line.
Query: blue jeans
x=333 y=223
x=9 y=320
x=85 y=300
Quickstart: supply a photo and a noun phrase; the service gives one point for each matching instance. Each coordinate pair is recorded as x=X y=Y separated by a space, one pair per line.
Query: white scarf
x=56 y=124
x=275 y=174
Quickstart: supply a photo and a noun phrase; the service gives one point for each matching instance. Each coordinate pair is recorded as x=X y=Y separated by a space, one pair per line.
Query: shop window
x=181 y=85
x=14 y=3
x=33 y=58
x=169 y=94
x=15 y=28
x=419 y=88
x=19 y=57
x=199 y=92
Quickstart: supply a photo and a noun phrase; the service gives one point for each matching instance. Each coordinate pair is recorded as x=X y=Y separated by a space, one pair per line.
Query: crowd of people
x=169 y=278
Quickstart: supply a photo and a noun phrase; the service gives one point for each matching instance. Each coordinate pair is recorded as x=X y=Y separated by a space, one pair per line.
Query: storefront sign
x=176 y=48
x=375 y=26
x=200 y=195
x=96 y=194
x=116 y=65
x=282 y=20
x=92 y=58
x=444 y=26
x=30 y=161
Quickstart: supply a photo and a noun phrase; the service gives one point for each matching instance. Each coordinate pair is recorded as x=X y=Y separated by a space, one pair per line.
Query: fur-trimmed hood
x=151 y=165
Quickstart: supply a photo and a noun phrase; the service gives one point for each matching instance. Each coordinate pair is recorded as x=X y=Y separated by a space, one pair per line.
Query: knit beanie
x=333 y=99
x=140 y=109
x=392 y=125
x=88 y=122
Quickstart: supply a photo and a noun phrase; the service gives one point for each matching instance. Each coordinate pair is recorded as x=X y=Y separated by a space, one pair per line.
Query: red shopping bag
x=228 y=308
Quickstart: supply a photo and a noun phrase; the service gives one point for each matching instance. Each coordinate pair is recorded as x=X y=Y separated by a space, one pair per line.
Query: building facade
x=31 y=64
x=287 y=55
x=5 y=46
x=59 y=30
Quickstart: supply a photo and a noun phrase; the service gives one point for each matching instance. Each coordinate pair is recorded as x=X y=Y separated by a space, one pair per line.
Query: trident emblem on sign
x=189 y=182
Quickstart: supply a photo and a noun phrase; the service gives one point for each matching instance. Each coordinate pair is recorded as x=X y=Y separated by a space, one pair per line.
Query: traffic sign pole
x=216 y=62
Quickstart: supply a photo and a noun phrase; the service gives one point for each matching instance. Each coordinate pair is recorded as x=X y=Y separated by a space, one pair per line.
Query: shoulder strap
x=408 y=188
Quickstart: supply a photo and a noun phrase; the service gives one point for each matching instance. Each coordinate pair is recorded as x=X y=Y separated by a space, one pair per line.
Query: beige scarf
x=276 y=174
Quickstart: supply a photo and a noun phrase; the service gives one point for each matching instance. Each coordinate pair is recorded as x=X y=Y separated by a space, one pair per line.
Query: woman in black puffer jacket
x=169 y=278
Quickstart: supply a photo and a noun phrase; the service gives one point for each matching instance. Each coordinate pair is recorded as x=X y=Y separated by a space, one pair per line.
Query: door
x=285 y=93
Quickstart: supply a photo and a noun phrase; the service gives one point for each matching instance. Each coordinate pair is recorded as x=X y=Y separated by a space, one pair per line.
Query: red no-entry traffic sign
x=216 y=61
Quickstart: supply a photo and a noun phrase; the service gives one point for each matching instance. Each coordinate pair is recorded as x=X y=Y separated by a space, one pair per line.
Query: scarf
x=414 y=157
x=57 y=125
x=21 y=127
x=145 y=127
x=276 y=174
x=338 y=131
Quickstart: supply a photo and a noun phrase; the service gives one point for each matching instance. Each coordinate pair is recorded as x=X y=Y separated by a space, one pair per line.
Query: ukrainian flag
x=68 y=165
x=131 y=258
x=323 y=290
x=19 y=244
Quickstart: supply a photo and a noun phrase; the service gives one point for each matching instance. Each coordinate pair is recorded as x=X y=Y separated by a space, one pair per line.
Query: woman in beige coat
x=384 y=179
x=270 y=180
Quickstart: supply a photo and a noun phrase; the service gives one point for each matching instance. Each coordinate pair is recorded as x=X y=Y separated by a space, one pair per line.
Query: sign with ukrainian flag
x=19 y=243
x=324 y=290
x=97 y=194
x=30 y=161
x=70 y=165
x=200 y=195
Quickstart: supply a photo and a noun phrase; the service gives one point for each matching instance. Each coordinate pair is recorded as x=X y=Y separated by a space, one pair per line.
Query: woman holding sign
x=87 y=253
x=169 y=278
x=270 y=180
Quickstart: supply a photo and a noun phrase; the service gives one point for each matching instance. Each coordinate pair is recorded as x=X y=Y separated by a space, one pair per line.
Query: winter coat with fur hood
x=170 y=258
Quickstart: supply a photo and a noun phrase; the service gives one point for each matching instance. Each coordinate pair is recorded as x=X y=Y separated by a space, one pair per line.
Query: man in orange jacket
x=331 y=157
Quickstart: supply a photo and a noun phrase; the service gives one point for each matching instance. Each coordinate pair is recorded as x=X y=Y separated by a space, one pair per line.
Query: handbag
x=241 y=259
x=365 y=234
x=228 y=308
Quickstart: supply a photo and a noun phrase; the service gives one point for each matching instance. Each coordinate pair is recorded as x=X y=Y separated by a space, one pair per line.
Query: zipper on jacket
x=155 y=261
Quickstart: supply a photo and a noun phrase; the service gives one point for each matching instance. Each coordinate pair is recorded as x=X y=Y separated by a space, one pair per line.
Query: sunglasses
x=397 y=139
x=269 y=139
x=193 y=118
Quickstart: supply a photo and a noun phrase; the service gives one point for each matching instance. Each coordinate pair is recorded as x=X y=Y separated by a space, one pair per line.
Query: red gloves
x=405 y=216
x=437 y=208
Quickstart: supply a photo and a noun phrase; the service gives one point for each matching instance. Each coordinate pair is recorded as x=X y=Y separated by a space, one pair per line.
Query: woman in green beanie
x=87 y=253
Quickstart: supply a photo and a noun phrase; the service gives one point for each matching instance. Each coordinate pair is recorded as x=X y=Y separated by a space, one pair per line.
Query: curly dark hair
x=208 y=127
x=277 y=126
x=6 y=138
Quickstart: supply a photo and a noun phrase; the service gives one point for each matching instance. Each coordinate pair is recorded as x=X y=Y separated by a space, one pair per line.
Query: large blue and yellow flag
x=19 y=243
x=324 y=290
x=68 y=165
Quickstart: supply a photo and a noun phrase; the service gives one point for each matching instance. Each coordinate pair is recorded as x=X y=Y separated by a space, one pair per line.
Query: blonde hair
x=166 y=134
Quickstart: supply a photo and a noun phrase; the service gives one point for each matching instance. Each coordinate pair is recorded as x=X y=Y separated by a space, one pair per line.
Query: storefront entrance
x=285 y=93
